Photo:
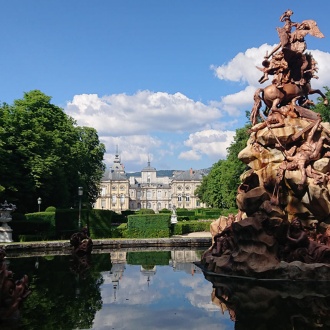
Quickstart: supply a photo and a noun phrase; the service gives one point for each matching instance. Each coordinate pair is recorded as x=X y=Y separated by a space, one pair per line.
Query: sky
x=162 y=80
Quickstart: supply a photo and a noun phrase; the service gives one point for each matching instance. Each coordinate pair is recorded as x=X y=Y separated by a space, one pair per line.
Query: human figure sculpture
x=300 y=248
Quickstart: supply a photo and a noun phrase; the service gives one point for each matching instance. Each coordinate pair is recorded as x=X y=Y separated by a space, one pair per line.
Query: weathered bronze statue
x=82 y=244
x=285 y=193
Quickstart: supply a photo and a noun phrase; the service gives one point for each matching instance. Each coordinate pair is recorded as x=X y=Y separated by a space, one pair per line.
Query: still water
x=118 y=290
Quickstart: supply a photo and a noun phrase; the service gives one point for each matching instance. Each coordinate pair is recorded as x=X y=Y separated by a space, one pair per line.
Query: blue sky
x=165 y=79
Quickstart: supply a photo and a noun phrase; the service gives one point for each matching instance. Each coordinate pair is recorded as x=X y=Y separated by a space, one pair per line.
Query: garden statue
x=82 y=244
x=285 y=192
x=174 y=217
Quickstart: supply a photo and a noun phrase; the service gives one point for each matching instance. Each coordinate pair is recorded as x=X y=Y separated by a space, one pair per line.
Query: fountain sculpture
x=5 y=216
x=284 y=195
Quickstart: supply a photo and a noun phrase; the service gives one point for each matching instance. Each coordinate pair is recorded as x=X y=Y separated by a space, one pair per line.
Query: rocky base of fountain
x=258 y=248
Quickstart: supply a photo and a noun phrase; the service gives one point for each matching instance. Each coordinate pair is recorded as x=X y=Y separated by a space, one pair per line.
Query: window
x=179 y=198
x=179 y=187
x=114 y=199
x=159 y=194
x=187 y=198
x=122 y=188
x=148 y=194
x=103 y=203
x=103 y=191
x=148 y=205
x=114 y=187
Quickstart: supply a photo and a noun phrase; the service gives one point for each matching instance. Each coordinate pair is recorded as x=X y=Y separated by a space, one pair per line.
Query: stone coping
x=105 y=245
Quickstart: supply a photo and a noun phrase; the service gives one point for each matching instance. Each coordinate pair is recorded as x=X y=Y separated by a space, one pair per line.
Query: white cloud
x=212 y=143
x=145 y=111
x=242 y=69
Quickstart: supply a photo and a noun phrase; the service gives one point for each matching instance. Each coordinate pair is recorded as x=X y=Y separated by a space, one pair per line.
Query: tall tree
x=219 y=187
x=323 y=110
x=45 y=152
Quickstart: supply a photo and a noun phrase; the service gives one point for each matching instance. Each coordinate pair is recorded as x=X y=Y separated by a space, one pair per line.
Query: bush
x=187 y=227
x=148 y=225
x=50 y=209
x=145 y=211
x=165 y=211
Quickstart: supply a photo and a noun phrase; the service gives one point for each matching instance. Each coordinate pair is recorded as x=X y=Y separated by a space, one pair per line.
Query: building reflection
x=183 y=261
x=118 y=260
x=180 y=261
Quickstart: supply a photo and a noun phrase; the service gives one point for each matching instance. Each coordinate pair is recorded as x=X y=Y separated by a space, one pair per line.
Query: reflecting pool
x=121 y=289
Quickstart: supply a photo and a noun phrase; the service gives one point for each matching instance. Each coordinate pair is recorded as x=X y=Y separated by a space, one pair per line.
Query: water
x=118 y=290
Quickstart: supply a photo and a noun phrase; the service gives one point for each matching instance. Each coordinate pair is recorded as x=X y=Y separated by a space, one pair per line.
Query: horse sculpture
x=275 y=97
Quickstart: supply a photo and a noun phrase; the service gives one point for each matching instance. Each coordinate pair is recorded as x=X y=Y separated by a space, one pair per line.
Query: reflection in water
x=273 y=304
x=119 y=290
x=12 y=293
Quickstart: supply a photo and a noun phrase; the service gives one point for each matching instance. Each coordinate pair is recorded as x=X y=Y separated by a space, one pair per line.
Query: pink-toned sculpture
x=285 y=193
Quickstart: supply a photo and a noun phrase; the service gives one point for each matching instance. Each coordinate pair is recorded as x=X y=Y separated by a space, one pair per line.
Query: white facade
x=118 y=192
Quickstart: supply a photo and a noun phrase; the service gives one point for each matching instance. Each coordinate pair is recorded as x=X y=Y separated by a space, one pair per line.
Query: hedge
x=147 y=259
x=148 y=225
x=186 y=227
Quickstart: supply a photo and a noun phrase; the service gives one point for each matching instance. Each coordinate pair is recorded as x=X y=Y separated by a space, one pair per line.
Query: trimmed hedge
x=35 y=227
x=148 y=226
x=147 y=259
x=186 y=227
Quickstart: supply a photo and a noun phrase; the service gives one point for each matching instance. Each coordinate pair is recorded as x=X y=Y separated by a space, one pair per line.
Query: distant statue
x=81 y=242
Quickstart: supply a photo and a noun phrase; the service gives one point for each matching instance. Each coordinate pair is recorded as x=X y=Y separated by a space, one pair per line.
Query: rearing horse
x=275 y=97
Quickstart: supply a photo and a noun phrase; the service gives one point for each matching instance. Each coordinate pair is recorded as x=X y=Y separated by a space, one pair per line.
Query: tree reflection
x=62 y=298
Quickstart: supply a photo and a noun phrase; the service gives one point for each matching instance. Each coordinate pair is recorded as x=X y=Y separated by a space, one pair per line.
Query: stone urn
x=5 y=216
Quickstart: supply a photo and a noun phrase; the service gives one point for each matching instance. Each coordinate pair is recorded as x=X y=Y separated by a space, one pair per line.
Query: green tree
x=46 y=154
x=323 y=110
x=219 y=187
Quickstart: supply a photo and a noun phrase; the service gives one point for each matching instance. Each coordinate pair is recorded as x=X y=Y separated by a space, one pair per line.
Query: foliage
x=323 y=110
x=147 y=259
x=186 y=227
x=148 y=225
x=145 y=211
x=50 y=209
x=43 y=153
x=218 y=188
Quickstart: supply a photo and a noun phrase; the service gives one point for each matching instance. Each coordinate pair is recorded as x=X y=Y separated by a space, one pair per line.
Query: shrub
x=148 y=225
x=50 y=209
x=145 y=211
x=186 y=227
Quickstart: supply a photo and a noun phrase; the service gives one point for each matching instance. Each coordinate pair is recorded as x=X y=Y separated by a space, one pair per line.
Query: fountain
x=282 y=230
x=5 y=216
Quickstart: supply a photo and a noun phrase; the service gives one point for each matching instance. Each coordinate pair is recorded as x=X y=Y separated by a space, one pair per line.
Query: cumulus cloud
x=242 y=69
x=162 y=126
x=212 y=143
x=145 y=111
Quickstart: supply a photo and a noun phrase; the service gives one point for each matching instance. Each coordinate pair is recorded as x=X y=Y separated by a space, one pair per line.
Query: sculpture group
x=284 y=195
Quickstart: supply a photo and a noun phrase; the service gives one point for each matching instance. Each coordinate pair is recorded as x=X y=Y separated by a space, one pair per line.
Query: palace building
x=120 y=191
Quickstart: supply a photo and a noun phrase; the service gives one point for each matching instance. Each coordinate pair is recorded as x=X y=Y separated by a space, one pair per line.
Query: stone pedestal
x=174 y=219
